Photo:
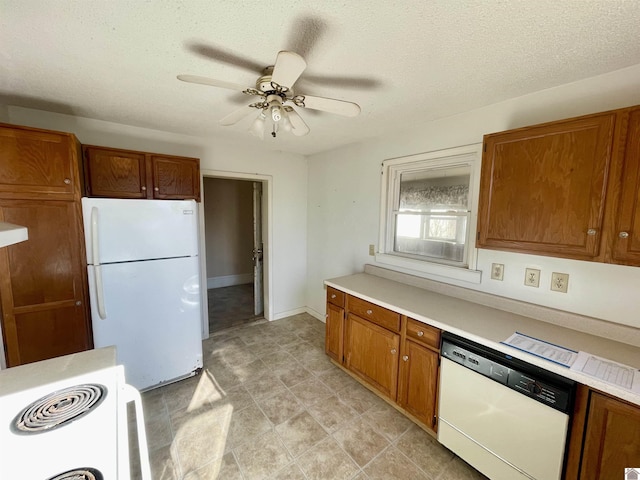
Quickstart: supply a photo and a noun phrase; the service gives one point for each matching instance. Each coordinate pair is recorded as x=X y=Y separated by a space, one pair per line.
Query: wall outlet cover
x=497 y=271
x=372 y=250
x=532 y=277
x=559 y=282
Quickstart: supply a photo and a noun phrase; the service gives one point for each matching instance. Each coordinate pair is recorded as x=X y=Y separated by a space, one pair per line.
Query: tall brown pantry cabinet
x=43 y=288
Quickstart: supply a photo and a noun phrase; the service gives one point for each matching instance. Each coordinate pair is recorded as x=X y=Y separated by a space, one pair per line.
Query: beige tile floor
x=270 y=405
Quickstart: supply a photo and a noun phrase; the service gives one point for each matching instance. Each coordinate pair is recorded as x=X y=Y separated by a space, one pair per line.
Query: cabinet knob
x=333 y=295
x=143 y=188
x=326 y=315
x=394 y=351
x=78 y=303
x=156 y=189
x=623 y=234
x=67 y=181
x=592 y=231
x=420 y=333
x=369 y=312
x=405 y=358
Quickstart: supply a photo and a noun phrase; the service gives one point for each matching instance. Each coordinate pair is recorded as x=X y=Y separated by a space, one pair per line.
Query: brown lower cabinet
x=42 y=283
x=334 y=337
x=371 y=352
x=605 y=439
x=397 y=356
x=416 y=394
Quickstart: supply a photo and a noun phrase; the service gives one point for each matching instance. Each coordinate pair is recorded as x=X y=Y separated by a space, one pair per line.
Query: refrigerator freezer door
x=130 y=230
x=152 y=311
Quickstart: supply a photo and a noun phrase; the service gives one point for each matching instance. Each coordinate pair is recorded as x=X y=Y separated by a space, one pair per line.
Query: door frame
x=267 y=231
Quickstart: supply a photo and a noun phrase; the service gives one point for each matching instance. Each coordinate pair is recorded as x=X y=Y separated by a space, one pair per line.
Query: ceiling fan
x=277 y=98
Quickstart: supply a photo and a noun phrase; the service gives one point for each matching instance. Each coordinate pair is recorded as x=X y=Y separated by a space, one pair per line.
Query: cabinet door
x=175 y=178
x=626 y=238
x=43 y=282
x=371 y=352
x=334 y=332
x=418 y=382
x=114 y=173
x=611 y=439
x=543 y=188
x=37 y=164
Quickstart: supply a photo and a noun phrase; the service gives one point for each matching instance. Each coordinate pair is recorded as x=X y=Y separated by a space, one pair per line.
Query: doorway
x=233 y=237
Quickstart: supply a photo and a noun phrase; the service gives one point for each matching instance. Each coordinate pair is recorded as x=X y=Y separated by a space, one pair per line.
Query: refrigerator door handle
x=95 y=257
x=97 y=272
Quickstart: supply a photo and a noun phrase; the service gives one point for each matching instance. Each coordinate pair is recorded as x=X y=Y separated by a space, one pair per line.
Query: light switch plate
x=497 y=271
x=559 y=282
x=532 y=277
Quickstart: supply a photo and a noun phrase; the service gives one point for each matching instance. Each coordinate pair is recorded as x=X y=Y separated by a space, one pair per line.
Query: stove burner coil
x=79 y=474
x=59 y=408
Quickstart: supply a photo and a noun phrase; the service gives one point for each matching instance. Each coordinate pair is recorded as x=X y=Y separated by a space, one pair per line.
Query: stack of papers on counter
x=603 y=369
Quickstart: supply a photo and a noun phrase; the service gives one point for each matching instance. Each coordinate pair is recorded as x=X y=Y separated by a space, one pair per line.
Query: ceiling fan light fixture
x=258 y=125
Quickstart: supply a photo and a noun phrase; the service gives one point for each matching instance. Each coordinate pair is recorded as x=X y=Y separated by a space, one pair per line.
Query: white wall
x=287 y=171
x=344 y=196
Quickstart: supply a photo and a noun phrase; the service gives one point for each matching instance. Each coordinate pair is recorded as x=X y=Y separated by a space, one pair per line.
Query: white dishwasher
x=505 y=417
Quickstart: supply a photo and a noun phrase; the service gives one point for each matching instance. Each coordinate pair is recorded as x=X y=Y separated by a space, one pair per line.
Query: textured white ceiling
x=402 y=61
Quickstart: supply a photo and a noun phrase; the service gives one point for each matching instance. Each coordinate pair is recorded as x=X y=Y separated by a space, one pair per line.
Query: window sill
x=433 y=271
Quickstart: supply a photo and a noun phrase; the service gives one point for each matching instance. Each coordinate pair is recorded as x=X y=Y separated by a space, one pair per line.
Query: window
x=428 y=212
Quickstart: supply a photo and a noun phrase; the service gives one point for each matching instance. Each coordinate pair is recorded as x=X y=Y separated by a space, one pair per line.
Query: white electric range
x=66 y=418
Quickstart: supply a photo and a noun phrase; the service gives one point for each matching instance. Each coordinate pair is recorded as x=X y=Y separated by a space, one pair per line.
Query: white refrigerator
x=144 y=285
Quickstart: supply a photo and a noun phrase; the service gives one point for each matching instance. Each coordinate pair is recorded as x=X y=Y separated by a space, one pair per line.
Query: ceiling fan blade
x=236 y=116
x=288 y=68
x=299 y=128
x=340 y=107
x=211 y=82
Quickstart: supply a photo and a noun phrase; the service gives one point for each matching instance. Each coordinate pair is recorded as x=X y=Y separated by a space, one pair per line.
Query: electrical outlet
x=372 y=250
x=532 y=277
x=497 y=271
x=559 y=282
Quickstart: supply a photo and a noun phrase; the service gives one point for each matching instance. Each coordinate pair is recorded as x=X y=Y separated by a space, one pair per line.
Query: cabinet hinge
x=478 y=235
x=485 y=147
x=433 y=421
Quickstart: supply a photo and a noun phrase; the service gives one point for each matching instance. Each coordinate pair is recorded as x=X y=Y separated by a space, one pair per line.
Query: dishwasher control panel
x=529 y=380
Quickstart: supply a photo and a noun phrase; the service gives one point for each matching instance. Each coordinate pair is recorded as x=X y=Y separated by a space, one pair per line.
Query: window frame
x=468 y=155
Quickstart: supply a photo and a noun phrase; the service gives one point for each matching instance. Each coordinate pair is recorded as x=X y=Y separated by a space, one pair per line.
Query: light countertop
x=490 y=326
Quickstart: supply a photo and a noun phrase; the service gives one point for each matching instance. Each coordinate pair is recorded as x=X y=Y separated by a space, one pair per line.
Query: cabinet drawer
x=379 y=315
x=423 y=333
x=335 y=296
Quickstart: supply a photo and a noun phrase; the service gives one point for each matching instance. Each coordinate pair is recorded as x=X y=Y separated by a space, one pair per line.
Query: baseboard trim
x=288 y=313
x=316 y=314
x=229 y=280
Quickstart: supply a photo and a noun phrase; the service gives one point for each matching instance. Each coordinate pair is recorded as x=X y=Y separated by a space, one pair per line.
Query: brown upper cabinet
x=116 y=173
x=38 y=164
x=564 y=189
x=625 y=236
